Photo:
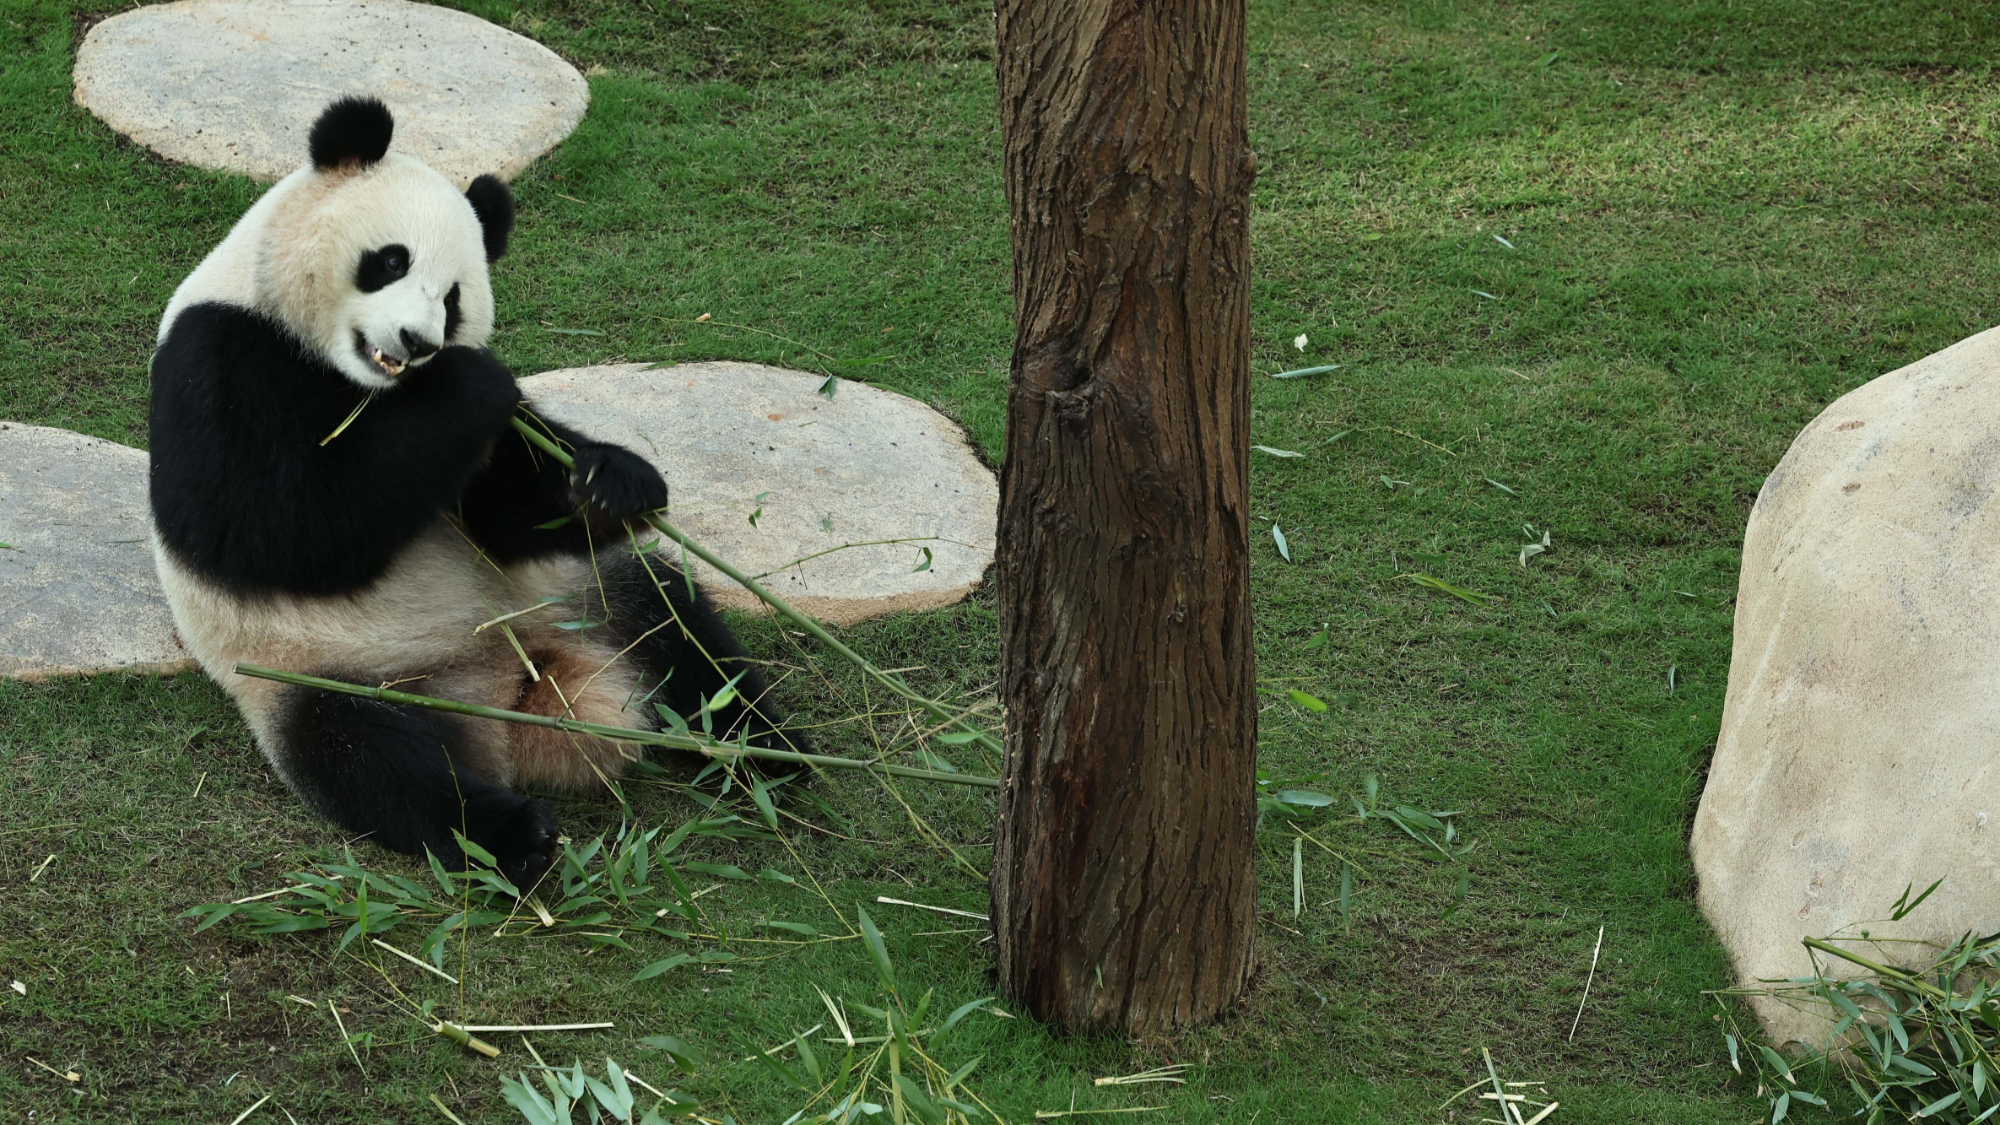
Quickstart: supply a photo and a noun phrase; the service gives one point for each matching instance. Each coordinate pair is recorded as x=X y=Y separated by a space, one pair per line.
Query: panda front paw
x=519 y=831
x=616 y=481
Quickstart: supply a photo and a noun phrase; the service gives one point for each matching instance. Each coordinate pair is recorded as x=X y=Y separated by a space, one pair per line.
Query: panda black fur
x=375 y=556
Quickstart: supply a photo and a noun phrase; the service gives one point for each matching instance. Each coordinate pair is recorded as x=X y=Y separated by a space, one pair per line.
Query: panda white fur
x=375 y=556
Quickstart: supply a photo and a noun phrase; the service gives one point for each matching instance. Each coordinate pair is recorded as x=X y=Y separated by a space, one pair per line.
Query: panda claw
x=521 y=834
x=616 y=481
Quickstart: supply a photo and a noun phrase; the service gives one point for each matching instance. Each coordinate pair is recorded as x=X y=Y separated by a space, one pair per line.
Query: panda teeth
x=388 y=363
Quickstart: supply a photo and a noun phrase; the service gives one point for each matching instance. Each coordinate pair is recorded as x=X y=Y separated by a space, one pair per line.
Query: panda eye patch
x=382 y=267
x=451 y=314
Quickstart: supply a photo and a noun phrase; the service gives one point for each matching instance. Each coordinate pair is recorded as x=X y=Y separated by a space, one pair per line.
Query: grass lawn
x=1717 y=217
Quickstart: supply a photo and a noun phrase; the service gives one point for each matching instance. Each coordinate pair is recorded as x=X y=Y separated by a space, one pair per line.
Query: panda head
x=374 y=259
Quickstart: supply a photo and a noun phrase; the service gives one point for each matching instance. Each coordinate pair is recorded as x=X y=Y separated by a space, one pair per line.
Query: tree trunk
x=1124 y=895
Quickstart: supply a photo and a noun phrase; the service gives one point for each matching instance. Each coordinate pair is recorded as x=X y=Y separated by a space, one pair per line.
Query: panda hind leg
x=407 y=779
x=683 y=651
x=582 y=682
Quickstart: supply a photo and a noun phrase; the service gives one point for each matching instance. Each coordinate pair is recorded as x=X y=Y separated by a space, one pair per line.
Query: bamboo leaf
x=684 y=1056
x=1900 y=911
x=957 y=1014
x=760 y=793
x=719 y=870
x=658 y=967
x=877 y=951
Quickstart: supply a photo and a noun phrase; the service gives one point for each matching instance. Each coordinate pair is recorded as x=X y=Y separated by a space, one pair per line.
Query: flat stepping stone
x=737 y=439
x=78 y=593
x=237 y=84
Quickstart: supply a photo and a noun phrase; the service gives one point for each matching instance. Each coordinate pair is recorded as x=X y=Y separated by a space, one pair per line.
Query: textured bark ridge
x=1124 y=895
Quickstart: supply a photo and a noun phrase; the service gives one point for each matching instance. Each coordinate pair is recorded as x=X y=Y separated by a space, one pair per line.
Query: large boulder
x=1860 y=744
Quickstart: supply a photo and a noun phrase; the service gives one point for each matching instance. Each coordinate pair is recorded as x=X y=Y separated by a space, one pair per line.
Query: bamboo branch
x=887 y=679
x=1877 y=968
x=707 y=746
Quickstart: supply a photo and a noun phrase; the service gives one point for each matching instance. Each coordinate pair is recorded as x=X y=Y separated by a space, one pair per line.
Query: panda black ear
x=355 y=129
x=494 y=205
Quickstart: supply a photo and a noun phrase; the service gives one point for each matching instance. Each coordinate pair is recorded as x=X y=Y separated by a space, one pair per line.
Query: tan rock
x=78 y=593
x=237 y=84
x=1860 y=744
x=864 y=465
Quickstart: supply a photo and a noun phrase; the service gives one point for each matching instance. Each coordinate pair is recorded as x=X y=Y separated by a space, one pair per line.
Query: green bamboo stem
x=889 y=680
x=621 y=734
x=1878 y=969
x=466 y=1039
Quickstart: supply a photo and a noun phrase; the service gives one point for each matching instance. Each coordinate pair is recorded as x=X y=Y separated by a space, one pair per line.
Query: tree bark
x=1124 y=895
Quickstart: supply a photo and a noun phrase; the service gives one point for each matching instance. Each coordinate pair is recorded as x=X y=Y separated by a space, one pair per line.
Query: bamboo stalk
x=887 y=679
x=524 y=1028
x=424 y=965
x=466 y=1039
x=1877 y=968
x=621 y=734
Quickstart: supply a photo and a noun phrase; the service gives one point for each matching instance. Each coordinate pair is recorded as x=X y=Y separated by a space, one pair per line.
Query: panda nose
x=417 y=346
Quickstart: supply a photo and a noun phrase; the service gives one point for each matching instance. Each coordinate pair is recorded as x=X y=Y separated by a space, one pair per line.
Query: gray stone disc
x=738 y=438
x=237 y=84
x=78 y=593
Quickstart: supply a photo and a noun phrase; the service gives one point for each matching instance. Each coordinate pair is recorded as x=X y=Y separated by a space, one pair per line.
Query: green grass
x=1722 y=215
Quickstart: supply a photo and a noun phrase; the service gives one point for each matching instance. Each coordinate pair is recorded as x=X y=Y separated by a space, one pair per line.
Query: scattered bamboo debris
x=926 y=906
x=1509 y=1103
x=465 y=1039
x=1160 y=1074
x=65 y=1075
x=345 y=1037
x=424 y=965
x=1586 y=984
x=524 y=1028
x=276 y=893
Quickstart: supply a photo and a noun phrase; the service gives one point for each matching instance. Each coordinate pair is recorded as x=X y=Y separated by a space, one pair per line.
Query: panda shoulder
x=220 y=359
x=208 y=335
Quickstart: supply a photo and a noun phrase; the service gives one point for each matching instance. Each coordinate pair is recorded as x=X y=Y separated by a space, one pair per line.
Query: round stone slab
x=237 y=84
x=765 y=471
x=78 y=594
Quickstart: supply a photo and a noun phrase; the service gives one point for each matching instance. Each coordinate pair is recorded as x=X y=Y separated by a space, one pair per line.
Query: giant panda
x=360 y=281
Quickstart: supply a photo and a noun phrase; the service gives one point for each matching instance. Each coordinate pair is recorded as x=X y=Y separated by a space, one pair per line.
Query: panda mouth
x=382 y=361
